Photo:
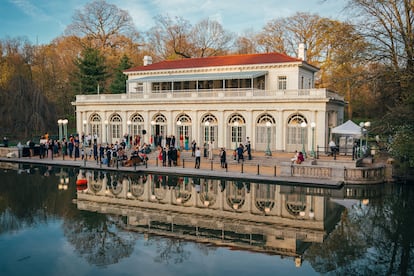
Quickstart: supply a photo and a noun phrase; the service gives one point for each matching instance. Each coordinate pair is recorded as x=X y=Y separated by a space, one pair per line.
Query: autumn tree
x=169 y=38
x=246 y=43
x=174 y=38
x=24 y=107
x=101 y=23
x=209 y=39
x=388 y=26
x=333 y=46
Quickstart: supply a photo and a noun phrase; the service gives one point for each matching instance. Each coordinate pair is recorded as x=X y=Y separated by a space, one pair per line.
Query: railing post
x=274 y=171
x=258 y=169
x=242 y=167
x=183 y=163
x=211 y=165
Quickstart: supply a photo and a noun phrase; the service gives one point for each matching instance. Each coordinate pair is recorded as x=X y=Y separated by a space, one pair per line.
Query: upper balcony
x=210 y=94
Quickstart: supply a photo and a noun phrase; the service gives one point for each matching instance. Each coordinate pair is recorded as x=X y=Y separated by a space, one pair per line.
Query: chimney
x=302 y=51
x=147 y=60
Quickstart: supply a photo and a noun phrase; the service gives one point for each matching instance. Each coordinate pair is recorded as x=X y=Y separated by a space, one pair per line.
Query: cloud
x=29 y=9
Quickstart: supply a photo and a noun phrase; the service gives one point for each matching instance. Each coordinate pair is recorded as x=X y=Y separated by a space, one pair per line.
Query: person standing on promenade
x=240 y=151
x=77 y=144
x=186 y=142
x=193 y=148
x=71 y=145
x=197 y=158
x=223 y=157
x=248 y=149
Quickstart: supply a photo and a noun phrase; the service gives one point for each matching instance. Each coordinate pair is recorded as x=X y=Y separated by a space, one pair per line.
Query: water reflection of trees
x=97 y=239
x=169 y=250
x=373 y=239
x=32 y=197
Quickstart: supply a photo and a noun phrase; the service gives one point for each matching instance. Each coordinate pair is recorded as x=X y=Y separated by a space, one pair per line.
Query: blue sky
x=41 y=21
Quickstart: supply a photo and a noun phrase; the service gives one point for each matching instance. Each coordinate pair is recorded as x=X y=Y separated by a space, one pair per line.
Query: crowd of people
x=132 y=151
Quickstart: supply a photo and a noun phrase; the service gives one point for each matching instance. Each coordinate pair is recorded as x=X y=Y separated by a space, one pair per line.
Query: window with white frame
x=96 y=125
x=265 y=130
x=296 y=135
x=282 y=82
x=137 y=125
x=139 y=87
x=116 y=127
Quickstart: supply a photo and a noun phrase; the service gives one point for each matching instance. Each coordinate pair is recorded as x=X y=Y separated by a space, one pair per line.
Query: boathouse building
x=268 y=98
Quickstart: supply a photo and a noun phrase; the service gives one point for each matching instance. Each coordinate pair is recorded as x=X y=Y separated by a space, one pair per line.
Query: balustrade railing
x=365 y=175
x=311 y=171
x=213 y=93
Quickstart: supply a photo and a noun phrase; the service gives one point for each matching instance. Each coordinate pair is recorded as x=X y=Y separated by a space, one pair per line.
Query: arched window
x=235 y=194
x=265 y=132
x=237 y=130
x=265 y=197
x=96 y=125
x=158 y=129
x=296 y=134
x=209 y=127
x=137 y=125
x=296 y=204
x=183 y=131
x=115 y=128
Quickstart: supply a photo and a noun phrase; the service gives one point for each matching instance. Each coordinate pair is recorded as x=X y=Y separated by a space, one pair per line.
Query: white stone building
x=269 y=98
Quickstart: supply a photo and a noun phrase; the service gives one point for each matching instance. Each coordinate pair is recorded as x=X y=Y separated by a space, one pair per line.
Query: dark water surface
x=132 y=224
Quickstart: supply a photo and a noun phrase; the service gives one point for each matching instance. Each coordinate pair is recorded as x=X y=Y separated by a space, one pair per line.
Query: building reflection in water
x=260 y=217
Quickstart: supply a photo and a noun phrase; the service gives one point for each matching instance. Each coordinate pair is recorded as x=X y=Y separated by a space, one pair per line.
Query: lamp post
x=268 y=151
x=367 y=125
x=106 y=130
x=303 y=125
x=362 y=125
x=60 y=123
x=178 y=135
x=65 y=128
x=236 y=125
x=311 y=212
x=207 y=125
x=84 y=131
x=152 y=132
x=313 y=125
x=129 y=133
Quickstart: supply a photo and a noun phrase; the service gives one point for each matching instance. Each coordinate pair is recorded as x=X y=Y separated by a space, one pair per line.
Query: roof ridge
x=217 y=61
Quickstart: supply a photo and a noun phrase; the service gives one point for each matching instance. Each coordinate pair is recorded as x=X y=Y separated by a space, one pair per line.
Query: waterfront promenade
x=276 y=168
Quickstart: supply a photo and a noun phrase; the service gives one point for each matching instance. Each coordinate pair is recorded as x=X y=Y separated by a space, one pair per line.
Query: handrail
x=215 y=93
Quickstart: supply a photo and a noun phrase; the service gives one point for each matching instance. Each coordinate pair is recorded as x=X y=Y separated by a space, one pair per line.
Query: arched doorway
x=158 y=130
x=265 y=132
x=209 y=127
x=183 y=132
x=297 y=133
x=236 y=126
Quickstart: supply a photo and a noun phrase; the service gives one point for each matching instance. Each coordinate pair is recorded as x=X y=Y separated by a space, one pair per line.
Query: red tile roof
x=216 y=61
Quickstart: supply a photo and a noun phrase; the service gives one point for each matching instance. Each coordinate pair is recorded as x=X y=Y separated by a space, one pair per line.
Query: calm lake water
x=132 y=224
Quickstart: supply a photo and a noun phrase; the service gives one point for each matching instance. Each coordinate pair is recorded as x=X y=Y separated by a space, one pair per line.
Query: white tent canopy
x=348 y=128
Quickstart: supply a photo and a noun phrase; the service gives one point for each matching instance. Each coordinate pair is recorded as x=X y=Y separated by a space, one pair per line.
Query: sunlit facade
x=270 y=98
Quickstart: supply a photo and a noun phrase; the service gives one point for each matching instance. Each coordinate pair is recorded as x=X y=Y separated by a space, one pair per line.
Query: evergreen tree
x=119 y=83
x=91 y=72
